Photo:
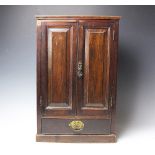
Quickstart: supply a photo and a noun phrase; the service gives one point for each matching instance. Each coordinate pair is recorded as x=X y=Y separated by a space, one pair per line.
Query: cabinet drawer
x=75 y=126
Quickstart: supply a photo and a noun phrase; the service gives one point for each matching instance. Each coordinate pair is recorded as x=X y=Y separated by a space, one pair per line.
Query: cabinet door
x=95 y=48
x=58 y=56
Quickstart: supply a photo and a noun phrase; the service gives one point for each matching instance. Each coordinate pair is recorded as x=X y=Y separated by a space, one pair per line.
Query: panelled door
x=94 y=55
x=58 y=58
x=75 y=67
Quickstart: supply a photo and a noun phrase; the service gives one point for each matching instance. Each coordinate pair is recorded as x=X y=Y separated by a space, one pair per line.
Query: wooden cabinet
x=76 y=78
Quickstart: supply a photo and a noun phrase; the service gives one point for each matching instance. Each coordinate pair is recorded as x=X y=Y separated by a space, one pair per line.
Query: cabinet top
x=48 y=17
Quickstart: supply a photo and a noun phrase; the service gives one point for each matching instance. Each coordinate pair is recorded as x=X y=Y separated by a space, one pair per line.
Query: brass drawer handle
x=79 y=69
x=76 y=125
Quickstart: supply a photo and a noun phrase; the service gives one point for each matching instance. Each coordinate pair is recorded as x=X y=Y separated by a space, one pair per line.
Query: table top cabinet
x=76 y=78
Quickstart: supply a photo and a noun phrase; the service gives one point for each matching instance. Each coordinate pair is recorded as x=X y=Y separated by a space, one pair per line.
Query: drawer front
x=75 y=126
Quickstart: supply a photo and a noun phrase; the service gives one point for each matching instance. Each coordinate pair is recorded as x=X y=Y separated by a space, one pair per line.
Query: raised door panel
x=58 y=60
x=58 y=68
x=95 y=47
x=96 y=68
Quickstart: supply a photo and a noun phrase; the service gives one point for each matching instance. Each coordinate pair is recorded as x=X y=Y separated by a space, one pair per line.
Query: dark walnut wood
x=94 y=47
x=76 y=78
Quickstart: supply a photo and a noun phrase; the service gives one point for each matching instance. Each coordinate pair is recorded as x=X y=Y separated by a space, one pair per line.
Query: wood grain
x=94 y=52
x=61 y=126
x=58 y=68
x=62 y=96
x=77 y=138
x=45 y=17
x=96 y=49
x=58 y=55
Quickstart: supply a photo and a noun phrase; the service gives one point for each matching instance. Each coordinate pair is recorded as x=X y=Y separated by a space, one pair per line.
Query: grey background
x=136 y=73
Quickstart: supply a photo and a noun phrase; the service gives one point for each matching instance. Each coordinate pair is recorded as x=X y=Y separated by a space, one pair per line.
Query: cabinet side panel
x=38 y=39
x=114 y=60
